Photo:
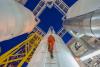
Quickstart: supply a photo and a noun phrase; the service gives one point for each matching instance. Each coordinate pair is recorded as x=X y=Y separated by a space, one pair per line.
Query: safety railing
x=22 y=53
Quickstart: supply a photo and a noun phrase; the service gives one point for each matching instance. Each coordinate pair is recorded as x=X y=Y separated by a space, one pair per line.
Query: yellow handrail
x=32 y=41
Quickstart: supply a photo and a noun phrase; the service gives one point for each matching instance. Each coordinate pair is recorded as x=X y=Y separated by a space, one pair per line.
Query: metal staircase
x=22 y=53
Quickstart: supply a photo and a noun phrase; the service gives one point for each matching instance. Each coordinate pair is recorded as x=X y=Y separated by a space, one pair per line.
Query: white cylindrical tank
x=88 y=24
x=15 y=19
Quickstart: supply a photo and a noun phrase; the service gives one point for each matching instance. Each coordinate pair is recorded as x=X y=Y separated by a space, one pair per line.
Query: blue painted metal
x=25 y=64
x=8 y=44
x=31 y=4
x=70 y=2
x=50 y=17
x=67 y=37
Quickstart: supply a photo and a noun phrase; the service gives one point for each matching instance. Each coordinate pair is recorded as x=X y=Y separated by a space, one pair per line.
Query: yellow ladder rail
x=25 y=58
x=29 y=46
x=13 y=50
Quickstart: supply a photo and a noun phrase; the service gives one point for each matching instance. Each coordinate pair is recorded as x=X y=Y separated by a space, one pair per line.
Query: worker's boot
x=51 y=55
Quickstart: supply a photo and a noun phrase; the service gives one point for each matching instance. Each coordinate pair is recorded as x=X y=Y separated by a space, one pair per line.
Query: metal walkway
x=62 y=56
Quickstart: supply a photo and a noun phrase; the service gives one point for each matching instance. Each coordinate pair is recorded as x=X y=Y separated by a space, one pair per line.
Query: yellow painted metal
x=30 y=44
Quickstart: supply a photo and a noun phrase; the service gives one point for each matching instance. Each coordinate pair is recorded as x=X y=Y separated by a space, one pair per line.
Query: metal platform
x=62 y=56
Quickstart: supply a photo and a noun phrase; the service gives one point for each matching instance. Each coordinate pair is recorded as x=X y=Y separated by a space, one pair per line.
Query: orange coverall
x=51 y=42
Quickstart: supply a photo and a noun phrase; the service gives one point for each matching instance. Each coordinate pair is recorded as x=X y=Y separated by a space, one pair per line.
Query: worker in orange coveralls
x=51 y=42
